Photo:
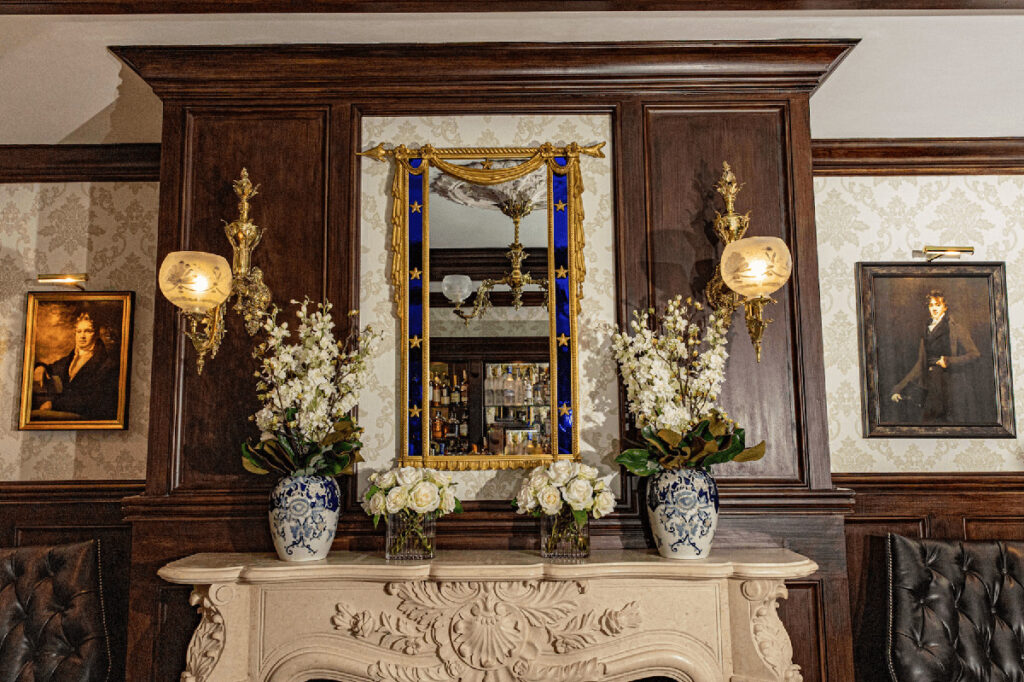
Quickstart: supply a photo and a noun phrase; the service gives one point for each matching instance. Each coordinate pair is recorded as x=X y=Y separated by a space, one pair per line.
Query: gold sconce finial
x=200 y=283
x=751 y=268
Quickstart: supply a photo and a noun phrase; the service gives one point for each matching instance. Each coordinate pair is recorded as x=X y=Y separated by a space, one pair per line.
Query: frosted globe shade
x=756 y=266
x=456 y=287
x=195 y=281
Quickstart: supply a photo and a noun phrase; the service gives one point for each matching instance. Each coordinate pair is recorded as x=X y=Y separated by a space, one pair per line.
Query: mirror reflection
x=489 y=282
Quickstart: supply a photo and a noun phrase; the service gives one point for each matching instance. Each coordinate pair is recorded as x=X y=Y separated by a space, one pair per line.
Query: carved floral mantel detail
x=770 y=636
x=491 y=616
x=487 y=630
x=208 y=640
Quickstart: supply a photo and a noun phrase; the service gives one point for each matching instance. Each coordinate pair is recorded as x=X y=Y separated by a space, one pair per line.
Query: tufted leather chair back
x=52 y=627
x=956 y=610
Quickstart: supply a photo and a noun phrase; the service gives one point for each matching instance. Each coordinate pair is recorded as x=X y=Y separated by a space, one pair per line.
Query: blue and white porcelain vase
x=304 y=516
x=682 y=505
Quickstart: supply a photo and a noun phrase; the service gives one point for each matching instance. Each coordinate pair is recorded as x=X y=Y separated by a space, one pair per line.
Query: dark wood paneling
x=79 y=163
x=401 y=6
x=60 y=512
x=297 y=110
x=685 y=150
x=967 y=506
x=284 y=150
x=921 y=156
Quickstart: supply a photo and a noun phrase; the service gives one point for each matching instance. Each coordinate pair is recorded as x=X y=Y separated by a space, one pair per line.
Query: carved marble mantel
x=490 y=616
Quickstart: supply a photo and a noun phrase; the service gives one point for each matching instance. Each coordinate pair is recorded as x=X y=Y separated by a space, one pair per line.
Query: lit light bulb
x=755 y=267
x=195 y=281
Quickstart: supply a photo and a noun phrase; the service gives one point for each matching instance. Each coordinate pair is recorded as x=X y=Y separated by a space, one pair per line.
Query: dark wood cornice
x=402 y=6
x=920 y=156
x=291 y=71
x=80 y=163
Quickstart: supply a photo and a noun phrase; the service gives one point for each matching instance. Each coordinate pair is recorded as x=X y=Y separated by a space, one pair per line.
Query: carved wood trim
x=919 y=156
x=80 y=163
x=403 y=6
x=363 y=71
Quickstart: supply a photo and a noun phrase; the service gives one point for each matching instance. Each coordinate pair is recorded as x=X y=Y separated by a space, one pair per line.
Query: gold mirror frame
x=562 y=162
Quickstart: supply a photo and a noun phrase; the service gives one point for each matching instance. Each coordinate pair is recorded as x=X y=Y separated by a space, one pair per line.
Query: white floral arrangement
x=308 y=388
x=673 y=367
x=410 y=490
x=548 y=489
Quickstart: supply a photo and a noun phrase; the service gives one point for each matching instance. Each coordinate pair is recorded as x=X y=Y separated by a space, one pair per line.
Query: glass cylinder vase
x=410 y=535
x=562 y=538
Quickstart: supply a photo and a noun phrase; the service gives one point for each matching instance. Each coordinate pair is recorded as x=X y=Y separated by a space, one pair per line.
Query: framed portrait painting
x=934 y=351
x=77 y=360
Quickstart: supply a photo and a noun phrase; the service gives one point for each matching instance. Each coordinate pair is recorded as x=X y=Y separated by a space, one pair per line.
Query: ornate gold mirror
x=487 y=269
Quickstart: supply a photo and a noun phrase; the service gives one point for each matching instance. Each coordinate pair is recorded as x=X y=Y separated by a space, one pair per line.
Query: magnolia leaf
x=252 y=463
x=672 y=462
x=671 y=437
x=718 y=426
x=751 y=454
x=639 y=462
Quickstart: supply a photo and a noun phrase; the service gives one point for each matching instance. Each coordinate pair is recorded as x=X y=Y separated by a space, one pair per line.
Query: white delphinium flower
x=672 y=374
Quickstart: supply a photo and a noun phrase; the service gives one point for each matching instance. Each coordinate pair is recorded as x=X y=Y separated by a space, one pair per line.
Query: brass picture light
x=200 y=283
x=751 y=268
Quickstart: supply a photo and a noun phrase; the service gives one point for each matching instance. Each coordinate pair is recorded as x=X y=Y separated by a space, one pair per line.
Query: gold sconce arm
x=751 y=268
x=201 y=283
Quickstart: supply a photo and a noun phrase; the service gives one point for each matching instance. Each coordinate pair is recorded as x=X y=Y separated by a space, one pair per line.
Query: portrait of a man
x=76 y=360
x=934 y=353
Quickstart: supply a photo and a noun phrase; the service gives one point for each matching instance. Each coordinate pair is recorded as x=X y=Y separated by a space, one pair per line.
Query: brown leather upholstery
x=956 y=610
x=52 y=627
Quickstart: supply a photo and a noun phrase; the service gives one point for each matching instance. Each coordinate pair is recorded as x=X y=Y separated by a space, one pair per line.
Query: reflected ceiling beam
x=499 y=299
x=481 y=264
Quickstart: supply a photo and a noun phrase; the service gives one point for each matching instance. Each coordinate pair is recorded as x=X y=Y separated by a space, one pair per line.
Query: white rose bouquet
x=673 y=366
x=308 y=388
x=568 y=493
x=412 y=498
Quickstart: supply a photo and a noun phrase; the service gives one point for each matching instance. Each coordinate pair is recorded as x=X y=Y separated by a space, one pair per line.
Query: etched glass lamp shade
x=195 y=281
x=755 y=267
x=456 y=287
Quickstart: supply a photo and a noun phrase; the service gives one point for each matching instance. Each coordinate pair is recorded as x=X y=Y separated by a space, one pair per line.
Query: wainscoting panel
x=62 y=512
x=939 y=506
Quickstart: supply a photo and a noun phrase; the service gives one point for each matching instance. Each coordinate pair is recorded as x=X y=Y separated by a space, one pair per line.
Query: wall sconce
x=73 y=280
x=200 y=283
x=751 y=268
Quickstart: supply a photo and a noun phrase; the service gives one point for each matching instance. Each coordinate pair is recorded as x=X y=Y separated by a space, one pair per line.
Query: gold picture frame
x=77 y=360
x=412 y=267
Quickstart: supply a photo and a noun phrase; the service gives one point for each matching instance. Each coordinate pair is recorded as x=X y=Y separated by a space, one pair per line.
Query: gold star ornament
x=416 y=207
x=560 y=206
x=563 y=340
x=415 y=411
x=561 y=273
x=415 y=342
x=564 y=410
x=415 y=273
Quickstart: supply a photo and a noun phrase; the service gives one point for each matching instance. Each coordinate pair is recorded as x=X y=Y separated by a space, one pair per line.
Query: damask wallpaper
x=107 y=230
x=598 y=387
x=885 y=218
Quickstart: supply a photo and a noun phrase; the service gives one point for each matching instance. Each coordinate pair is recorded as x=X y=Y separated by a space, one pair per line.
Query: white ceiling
x=913 y=75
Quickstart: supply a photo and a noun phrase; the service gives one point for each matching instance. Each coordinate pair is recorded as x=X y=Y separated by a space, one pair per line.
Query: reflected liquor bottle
x=437 y=427
x=456 y=392
x=508 y=390
x=464 y=389
x=444 y=389
x=528 y=388
x=435 y=389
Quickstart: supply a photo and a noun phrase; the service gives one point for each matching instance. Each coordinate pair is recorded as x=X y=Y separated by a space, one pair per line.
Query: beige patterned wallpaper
x=598 y=387
x=885 y=218
x=109 y=231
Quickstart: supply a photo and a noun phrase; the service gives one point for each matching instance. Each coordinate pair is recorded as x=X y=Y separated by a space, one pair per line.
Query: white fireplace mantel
x=490 y=616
